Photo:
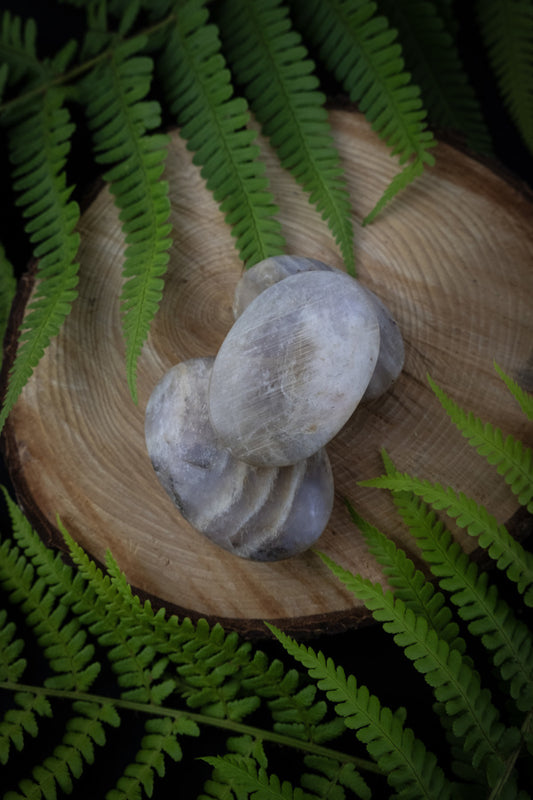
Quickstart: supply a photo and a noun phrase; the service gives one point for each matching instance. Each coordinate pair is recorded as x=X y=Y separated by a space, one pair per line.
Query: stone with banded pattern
x=260 y=513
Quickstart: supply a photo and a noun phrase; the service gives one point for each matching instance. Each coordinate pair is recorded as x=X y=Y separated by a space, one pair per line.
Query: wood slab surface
x=452 y=257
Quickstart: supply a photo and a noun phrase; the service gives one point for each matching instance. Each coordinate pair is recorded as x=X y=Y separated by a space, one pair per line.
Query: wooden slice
x=452 y=259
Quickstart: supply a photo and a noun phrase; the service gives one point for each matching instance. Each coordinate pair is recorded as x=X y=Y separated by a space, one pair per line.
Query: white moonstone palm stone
x=293 y=368
x=258 y=513
x=272 y=270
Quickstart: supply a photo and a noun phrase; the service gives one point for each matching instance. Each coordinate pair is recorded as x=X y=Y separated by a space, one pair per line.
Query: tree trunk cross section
x=452 y=257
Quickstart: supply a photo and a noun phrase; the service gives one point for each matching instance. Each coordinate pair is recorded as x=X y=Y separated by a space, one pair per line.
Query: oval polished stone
x=260 y=513
x=266 y=273
x=293 y=368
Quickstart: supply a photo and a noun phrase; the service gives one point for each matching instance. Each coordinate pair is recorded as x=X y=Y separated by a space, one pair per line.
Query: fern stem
x=72 y=74
x=202 y=719
x=511 y=761
x=450 y=676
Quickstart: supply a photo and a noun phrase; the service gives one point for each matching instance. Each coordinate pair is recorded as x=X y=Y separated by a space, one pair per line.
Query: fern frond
x=488 y=616
x=360 y=49
x=508 y=554
x=120 y=117
x=57 y=771
x=11 y=666
x=524 y=400
x=62 y=639
x=507 y=30
x=454 y=682
x=160 y=741
x=8 y=286
x=400 y=182
x=409 y=767
x=199 y=94
x=39 y=143
x=244 y=774
x=511 y=458
x=139 y=645
x=17 y=47
x=329 y=778
x=22 y=721
x=296 y=713
x=409 y=584
x=268 y=58
x=433 y=59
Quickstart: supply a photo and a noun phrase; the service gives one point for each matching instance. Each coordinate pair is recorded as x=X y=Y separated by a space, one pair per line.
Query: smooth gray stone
x=258 y=513
x=272 y=270
x=293 y=367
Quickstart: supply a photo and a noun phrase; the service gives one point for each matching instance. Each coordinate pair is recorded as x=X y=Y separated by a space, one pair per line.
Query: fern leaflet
x=17 y=48
x=267 y=56
x=328 y=777
x=508 y=554
x=452 y=679
x=159 y=741
x=63 y=641
x=512 y=459
x=409 y=584
x=84 y=731
x=119 y=117
x=22 y=721
x=11 y=666
x=524 y=400
x=409 y=767
x=359 y=48
x=507 y=30
x=479 y=603
x=39 y=143
x=433 y=59
x=243 y=773
x=213 y=122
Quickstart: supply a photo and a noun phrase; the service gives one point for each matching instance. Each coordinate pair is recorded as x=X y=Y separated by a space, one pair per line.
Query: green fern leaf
x=243 y=773
x=119 y=117
x=57 y=771
x=409 y=584
x=487 y=614
x=267 y=57
x=508 y=554
x=400 y=182
x=507 y=30
x=479 y=603
x=39 y=143
x=433 y=60
x=329 y=778
x=63 y=641
x=22 y=721
x=409 y=767
x=8 y=287
x=160 y=741
x=454 y=682
x=11 y=666
x=135 y=638
x=524 y=400
x=213 y=122
x=359 y=48
x=17 y=47
x=512 y=459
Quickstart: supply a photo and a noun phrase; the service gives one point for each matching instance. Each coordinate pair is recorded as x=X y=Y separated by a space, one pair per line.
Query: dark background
x=368 y=652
